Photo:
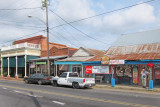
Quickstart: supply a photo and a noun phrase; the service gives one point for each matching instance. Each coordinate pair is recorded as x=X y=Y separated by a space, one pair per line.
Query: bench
x=99 y=78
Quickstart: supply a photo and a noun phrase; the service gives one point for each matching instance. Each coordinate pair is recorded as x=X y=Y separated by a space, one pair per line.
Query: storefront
x=143 y=64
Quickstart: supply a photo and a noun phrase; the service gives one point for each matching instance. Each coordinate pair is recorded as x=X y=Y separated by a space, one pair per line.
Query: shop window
x=77 y=68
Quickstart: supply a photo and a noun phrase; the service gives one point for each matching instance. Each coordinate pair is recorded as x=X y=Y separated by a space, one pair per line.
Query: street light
x=47 y=28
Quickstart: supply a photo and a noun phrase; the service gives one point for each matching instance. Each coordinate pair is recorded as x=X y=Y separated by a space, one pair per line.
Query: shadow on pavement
x=35 y=100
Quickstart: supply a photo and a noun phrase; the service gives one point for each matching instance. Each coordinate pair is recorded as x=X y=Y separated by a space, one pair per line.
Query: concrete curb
x=127 y=88
x=20 y=80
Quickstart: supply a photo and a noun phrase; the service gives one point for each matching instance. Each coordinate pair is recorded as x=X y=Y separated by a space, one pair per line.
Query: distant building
x=75 y=63
x=17 y=59
x=137 y=50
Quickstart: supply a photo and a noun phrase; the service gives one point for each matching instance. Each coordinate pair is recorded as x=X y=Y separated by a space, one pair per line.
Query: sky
x=97 y=32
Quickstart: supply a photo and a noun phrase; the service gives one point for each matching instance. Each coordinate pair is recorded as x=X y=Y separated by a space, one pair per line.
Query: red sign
x=88 y=69
x=150 y=65
x=157 y=74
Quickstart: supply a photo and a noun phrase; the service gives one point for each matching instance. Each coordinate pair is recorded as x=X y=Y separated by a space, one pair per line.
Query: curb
x=127 y=88
x=20 y=80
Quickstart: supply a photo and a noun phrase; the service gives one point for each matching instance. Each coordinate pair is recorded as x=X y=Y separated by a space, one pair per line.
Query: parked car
x=38 y=78
x=72 y=79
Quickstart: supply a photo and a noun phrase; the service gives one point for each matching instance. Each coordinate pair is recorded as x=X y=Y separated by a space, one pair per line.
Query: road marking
x=81 y=97
x=25 y=93
x=4 y=88
x=57 y=102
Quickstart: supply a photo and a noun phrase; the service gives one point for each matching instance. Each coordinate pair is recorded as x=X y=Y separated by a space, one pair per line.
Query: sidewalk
x=12 y=79
x=127 y=87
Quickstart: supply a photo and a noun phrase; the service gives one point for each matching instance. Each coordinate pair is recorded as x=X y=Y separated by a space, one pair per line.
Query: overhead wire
x=78 y=29
x=72 y=36
x=103 y=13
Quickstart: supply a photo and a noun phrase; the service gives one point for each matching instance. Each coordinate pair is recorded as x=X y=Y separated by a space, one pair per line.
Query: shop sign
x=114 y=62
x=32 y=65
x=97 y=69
x=38 y=63
x=157 y=74
x=105 y=60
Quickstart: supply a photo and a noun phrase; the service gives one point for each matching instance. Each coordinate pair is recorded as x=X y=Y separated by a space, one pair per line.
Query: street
x=18 y=94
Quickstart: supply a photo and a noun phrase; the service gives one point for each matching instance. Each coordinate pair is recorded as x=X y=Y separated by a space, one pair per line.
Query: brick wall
x=55 y=52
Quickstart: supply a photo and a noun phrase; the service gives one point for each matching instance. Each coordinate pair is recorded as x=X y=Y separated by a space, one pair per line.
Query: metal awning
x=50 y=58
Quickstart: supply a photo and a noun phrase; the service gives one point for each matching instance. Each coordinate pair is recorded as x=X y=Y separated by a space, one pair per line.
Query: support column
x=29 y=70
x=25 y=66
x=1 y=67
x=82 y=70
x=56 y=69
x=8 y=76
x=16 y=76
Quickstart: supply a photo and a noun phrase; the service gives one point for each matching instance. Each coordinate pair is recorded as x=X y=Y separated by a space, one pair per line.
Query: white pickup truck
x=72 y=79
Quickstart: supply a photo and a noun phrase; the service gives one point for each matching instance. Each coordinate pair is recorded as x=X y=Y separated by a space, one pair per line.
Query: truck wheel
x=26 y=81
x=39 y=82
x=75 y=85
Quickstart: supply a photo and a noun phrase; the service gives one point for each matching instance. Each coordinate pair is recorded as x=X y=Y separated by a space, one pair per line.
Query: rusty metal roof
x=135 y=52
x=81 y=59
x=143 y=37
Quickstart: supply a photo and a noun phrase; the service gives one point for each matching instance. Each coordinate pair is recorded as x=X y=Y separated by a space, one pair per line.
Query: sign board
x=38 y=63
x=32 y=65
x=105 y=60
x=114 y=62
x=157 y=74
x=97 y=69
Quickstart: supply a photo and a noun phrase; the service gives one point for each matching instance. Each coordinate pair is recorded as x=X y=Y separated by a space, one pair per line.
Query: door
x=63 y=79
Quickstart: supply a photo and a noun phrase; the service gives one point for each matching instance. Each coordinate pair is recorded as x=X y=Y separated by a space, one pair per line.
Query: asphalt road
x=18 y=94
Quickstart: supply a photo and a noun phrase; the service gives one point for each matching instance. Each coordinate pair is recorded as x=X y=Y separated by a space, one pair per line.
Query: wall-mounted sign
x=114 y=62
x=105 y=60
x=39 y=63
x=157 y=74
x=32 y=65
x=97 y=69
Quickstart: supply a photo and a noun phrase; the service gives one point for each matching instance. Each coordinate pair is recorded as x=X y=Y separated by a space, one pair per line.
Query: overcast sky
x=97 y=33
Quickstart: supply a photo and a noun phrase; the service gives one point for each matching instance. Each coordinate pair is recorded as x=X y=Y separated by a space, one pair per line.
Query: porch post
x=1 y=67
x=56 y=69
x=8 y=76
x=25 y=65
x=82 y=70
x=16 y=68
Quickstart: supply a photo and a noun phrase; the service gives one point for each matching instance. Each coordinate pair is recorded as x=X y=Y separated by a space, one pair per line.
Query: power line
x=103 y=13
x=22 y=36
x=70 y=34
x=78 y=29
x=22 y=8
x=66 y=39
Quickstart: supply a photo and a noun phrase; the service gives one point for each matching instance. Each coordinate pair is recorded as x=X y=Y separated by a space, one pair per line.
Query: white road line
x=4 y=88
x=57 y=102
x=25 y=93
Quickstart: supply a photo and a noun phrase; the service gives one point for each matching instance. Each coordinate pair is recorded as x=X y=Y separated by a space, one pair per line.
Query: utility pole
x=45 y=4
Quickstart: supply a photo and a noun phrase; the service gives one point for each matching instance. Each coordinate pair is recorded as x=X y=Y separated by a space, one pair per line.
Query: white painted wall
x=81 y=52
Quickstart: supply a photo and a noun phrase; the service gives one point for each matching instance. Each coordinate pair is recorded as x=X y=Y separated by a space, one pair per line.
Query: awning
x=68 y=63
x=51 y=58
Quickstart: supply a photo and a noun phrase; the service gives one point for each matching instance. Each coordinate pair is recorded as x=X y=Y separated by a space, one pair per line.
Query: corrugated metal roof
x=145 y=37
x=142 y=56
x=136 y=52
x=51 y=57
x=77 y=59
x=136 y=49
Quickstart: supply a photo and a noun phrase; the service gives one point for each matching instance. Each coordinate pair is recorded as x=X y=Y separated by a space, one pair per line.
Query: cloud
x=129 y=19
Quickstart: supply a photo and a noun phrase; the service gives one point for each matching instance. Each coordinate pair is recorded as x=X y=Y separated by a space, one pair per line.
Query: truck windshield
x=73 y=75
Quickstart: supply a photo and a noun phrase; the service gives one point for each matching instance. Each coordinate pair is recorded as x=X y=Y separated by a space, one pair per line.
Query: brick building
x=15 y=58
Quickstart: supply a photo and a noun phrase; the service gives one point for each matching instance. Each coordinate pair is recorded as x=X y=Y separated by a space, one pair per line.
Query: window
x=63 y=75
x=73 y=75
